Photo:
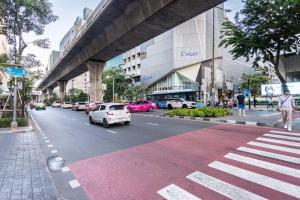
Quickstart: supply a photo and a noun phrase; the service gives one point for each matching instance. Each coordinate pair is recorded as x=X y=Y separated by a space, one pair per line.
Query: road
x=162 y=158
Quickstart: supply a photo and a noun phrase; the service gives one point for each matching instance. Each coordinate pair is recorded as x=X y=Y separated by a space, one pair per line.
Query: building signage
x=147 y=77
x=276 y=89
x=14 y=71
x=188 y=53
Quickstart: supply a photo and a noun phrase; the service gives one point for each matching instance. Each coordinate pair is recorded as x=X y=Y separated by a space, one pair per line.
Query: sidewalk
x=23 y=171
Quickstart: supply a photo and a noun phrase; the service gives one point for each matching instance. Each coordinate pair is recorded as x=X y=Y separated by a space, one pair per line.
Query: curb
x=227 y=121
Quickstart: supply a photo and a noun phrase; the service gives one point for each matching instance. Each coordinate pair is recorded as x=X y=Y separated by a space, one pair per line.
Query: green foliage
x=53 y=98
x=3 y=59
x=135 y=92
x=199 y=112
x=77 y=95
x=121 y=82
x=263 y=30
x=256 y=80
x=5 y=122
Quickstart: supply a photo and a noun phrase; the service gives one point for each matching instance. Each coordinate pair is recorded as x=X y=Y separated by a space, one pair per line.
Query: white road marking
x=47 y=141
x=270 y=155
x=285 y=133
x=34 y=121
x=50 y=145
x=54 y=151
x=275 y=147
x=173 y=192
x=87 y=124
x=45 y=137
x=222 y=187
x=73 y=119
x=65 y=169
x=114 y=132
x=266 y=115
x=265 y=165
x=152 y=124
x=74 y=184
x=251 y=123
x=282 y=137
x=296 y=144
x=41 y=131
x=57 y=159
x=275 y=184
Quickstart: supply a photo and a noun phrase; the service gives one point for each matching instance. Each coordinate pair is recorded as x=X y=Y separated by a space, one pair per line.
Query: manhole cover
x=55 y=163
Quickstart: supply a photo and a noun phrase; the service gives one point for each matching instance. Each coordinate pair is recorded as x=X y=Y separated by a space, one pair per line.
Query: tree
x=77 y=95
x=255 y=80
x=82 y=97
x=24 y=16
x=264 y=30
x=121 y=82
x=136 y=92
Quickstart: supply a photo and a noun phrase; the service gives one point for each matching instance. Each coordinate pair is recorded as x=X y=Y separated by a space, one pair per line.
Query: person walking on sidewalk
x=241 y=104
x=286 y=105
x=270 y=103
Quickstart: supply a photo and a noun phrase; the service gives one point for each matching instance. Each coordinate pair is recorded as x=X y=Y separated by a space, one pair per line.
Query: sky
x=68 y=11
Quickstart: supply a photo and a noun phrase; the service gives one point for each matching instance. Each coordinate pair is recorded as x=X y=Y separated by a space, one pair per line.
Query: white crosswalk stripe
x=222 y=187
x=275 y=184
x=275 y=147
x=295 y=144
x=265 y=165
x=282 y=137
x=173 y=192
x=271 y=142
x=270 y=155
x=285 y=133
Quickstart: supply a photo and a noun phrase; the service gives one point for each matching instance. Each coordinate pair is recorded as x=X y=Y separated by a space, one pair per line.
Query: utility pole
x=113 y=89
x=14 y=123
x=213 y=62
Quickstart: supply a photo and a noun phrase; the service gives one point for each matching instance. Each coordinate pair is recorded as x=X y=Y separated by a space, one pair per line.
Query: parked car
x=66 y=105
x=180 y=103
x=56 y=104
x=141 y=106
x=79 y=106
x=40 y=106
x=110 y=113
x=91 y=106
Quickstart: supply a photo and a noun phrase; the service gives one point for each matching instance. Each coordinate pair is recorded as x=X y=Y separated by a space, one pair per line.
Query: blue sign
x=15 y=72
x=147 y=77
x=192 y=54
x=246 y=92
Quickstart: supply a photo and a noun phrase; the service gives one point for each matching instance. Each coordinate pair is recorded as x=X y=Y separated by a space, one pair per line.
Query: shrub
x=200 y=112
x=5 y=122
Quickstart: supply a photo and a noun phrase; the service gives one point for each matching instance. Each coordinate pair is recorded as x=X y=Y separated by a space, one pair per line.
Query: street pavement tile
x=23 y=173
x=140 y=172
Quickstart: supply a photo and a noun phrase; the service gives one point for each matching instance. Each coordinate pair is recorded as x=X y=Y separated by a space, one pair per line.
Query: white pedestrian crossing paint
x=266 y=115
x=296 y=144
x=87 y=124
x=275 y=147
x=54 y=151
x=285 y=133
x=173 y=192
x=265 y=165
x=260 y=179
x=74 y=184
x=45 y=137
x=65 y=169
x=47 y=141
x=50 y=145
x=222 y=187
x=282 y=137
x=270 y=155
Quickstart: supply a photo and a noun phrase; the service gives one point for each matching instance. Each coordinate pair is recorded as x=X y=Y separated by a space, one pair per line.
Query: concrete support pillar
x=95 y=69
x=62 y=90
x=49 y=92
x=44 y=96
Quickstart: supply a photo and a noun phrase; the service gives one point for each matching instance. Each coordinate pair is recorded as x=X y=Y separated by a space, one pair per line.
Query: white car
x=79 y=106
x=110 y=113
x=180 y=103
x=56 y=104
x=66 y=105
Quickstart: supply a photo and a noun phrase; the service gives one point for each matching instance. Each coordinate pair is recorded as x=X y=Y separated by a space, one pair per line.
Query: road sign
x=14 y=71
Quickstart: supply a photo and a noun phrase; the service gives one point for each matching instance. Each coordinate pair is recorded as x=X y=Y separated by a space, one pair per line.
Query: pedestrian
x=286 y=105
x=241 y=104
x=270 y=103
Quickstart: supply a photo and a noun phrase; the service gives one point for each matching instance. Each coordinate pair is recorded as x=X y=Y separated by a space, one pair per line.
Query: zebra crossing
x=277 y=152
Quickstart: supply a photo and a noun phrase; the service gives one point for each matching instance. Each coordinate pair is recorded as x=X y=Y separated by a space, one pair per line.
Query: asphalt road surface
x=68 y=134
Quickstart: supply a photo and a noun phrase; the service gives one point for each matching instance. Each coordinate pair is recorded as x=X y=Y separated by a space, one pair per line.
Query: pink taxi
x=141 y=106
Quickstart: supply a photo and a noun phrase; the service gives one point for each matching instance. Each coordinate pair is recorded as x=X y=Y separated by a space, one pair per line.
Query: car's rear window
x=81 y=103
x=116 y=107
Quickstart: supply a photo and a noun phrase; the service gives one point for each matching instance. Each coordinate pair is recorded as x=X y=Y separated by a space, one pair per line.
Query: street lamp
x=213 y=55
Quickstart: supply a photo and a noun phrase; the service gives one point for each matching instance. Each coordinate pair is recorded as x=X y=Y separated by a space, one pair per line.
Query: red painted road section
x=141 y=171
